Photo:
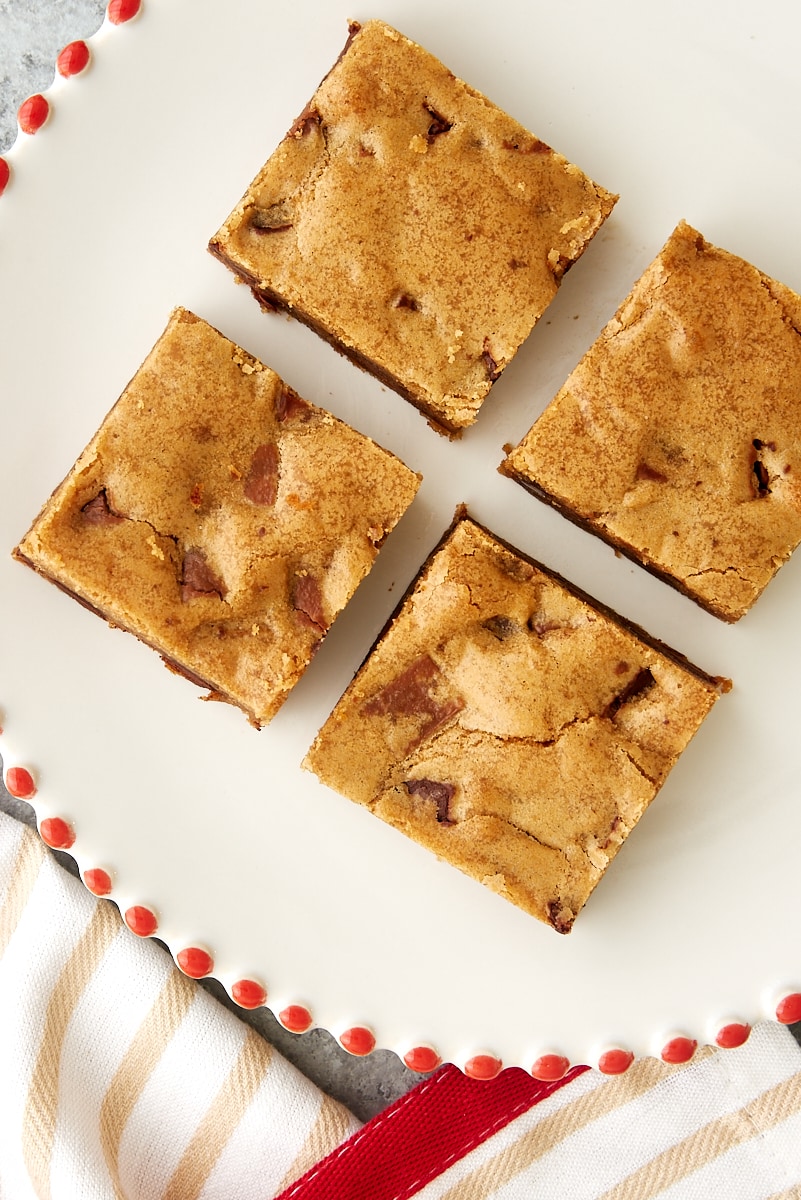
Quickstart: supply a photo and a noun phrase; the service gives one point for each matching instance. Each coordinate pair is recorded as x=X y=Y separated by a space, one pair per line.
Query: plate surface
x=687 y=111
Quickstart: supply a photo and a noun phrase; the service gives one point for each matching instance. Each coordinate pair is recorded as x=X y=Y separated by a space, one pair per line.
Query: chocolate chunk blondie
x=220 y=518
x=412 y=224
x=684 y=428
x=510 y=725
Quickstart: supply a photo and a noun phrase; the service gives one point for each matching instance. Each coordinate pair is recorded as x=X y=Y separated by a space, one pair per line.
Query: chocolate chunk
x=411 y=694
x=198 y=579
x=440 y=793
x=289 y=405
x=642 y=682
x=761 y=474
x=645 y=472
x=501 y=627
x=405 y=301
x=439 y=124
x=99 y=511
x=309 y=119
x=274 y=219
x=560 y=916
x=762 y=478
x=261 y=484
x=541 y=625
x=493 y=370
x=308 y=600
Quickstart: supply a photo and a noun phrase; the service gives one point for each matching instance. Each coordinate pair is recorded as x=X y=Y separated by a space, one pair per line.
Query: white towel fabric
x=119 y=1077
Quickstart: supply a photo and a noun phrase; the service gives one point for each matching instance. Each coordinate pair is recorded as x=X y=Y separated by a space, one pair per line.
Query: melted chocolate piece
x=288 y=405
x=493 y=370
x=99 y=511
x=439 y=124
x=411 y=694
x=261 y=484
x=309 y=119
x=198 y=579
x=308 y=600
x=642 y=682
x=501 y=627
x=440 y=793
x=560 y=917
x=405 y=301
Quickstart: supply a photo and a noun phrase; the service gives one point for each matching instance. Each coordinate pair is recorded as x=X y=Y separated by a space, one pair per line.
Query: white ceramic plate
x=686 y=110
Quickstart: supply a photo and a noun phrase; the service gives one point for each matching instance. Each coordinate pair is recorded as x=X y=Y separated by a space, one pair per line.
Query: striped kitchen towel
x=725 y=1127
x=119 y=1077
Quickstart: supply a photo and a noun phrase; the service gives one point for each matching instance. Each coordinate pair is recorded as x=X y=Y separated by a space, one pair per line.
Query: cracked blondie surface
x=510 y=726
x=413 y=224
x=684 y=427
x=220 y=518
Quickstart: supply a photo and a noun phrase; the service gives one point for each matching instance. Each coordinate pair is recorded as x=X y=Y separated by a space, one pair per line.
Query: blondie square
x=511 y=726
x=220 y=518
x=412 y=224
x=677 y=438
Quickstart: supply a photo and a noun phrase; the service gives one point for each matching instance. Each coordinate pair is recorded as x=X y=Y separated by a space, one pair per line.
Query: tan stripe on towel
x=41 y=1105
x=152 y=1039
x=329 y=1130
x=791 y=1193
x=221 y=1119
x=536 y=1142
x=709 y=1142
x=24 y=874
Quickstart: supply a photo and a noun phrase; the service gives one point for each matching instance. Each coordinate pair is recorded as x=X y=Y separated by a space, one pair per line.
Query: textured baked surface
x=510 y=726
x=219 y=517
x=684 y=427
x=413 y=224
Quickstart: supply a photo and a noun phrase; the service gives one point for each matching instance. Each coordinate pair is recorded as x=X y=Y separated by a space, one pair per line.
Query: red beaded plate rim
x=359 y=1039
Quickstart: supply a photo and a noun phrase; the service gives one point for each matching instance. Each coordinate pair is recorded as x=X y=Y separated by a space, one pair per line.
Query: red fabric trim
x=421 y=1135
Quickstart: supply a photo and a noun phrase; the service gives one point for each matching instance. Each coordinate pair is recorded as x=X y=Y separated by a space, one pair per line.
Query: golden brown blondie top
x=219 y=517
x=510 y=726
x=677 y=438
x=413 y=224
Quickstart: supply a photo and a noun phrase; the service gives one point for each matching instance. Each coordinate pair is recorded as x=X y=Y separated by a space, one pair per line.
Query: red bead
x=248 y=993
x=195 y=962
x=679 y=1050
x=422 y=1059
x=550 y=1067
x=120 y=11
x=736 y=1033
x=788 y=1010
x=295 y=1018
x=20 y=783
x=5 y=175
x=73 y=59
x=56 y=833
x=358 y=1040
x=33 y=113
x=97 y=881
x=615 y=1061
x=141 y=921
x=483 y=1066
